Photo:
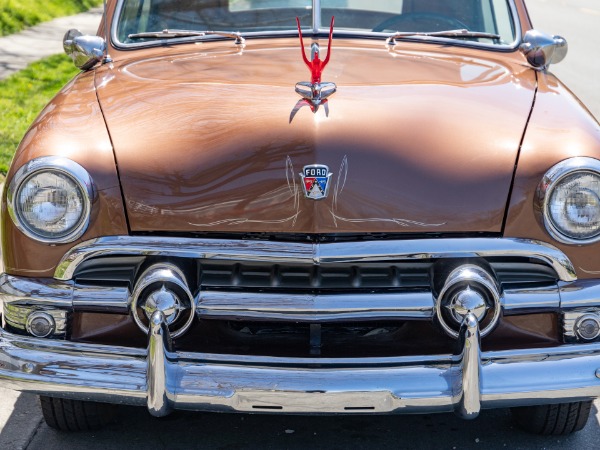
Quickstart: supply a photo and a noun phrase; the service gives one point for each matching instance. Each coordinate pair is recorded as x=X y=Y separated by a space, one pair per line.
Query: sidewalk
x=20 y=416
x=19 y=50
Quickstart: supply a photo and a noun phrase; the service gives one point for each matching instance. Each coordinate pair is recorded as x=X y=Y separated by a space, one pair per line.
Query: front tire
x=75 y=415
x=559 y=419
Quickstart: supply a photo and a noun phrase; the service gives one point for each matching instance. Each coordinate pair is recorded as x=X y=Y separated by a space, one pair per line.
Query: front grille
x=297 y=300
x=109 y=270
x=510 y=272
x=338 y=277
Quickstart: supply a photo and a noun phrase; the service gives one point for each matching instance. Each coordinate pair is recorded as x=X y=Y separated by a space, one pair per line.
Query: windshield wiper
x=455 y=34
x=172 y=34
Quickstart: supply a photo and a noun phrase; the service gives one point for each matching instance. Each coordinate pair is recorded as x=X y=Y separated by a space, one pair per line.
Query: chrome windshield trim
x=314 y=253
x=319 y=31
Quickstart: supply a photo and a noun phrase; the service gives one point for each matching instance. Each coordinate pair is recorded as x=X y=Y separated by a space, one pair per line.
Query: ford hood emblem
x=315 y=181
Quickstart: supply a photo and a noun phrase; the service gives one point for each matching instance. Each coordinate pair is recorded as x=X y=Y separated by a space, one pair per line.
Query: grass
x=15 y=15
x=22 y=97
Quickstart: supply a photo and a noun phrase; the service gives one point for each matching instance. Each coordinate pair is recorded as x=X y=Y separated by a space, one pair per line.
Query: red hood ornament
x=315 y=92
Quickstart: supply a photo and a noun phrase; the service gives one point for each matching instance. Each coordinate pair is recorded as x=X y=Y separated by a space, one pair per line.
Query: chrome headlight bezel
x=66 y=167
x=551 y=179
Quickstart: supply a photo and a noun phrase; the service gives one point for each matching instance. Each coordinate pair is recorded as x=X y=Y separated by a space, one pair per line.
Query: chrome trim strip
x=243 y=383
x=50 y=293
x=313 y=308
x=532 y=299
x=65 y=166
x=581 y=293
x=315 y=253
x=292 y=32
x=35 y=291
x=108 y=299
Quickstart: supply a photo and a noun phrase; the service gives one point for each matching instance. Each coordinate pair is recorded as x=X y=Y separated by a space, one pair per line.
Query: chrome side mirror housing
x=85 y=51
x=542 y=49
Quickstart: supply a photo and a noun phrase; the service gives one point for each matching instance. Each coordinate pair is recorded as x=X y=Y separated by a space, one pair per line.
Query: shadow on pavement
x=21 y=425
x=134 y=428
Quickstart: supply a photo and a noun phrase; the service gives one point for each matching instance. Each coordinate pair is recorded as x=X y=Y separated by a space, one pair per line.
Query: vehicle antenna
x=107 y=58
x=316 y=16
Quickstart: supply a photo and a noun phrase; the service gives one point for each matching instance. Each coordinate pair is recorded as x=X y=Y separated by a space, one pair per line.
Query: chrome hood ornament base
x=317 y=93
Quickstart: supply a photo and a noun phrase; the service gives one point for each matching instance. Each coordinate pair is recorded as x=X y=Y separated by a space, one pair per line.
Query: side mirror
x=85 y=51
x=542 y=49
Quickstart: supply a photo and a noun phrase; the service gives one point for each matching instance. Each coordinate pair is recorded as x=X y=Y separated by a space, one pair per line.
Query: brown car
x=320 y=207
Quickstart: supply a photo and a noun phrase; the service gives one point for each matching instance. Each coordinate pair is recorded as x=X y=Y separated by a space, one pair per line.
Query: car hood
x=418 y=140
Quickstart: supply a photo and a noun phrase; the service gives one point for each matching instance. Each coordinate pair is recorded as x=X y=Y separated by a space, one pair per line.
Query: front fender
x=71 y=126
x=560 y=127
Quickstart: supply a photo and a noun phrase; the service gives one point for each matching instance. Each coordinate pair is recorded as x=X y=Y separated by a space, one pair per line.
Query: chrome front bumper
x=163 y=380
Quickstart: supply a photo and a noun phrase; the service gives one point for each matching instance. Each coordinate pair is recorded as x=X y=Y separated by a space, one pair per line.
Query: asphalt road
x=134 y=429
x=578 y=21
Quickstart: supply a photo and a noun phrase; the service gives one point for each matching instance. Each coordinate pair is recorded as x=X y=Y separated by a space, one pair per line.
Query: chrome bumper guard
x=164 y=380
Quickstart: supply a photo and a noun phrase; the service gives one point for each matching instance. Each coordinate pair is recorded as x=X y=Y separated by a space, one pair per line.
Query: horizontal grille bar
x=314 y=308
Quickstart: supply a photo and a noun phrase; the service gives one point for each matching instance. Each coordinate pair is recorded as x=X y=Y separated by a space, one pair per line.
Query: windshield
x=263 y=17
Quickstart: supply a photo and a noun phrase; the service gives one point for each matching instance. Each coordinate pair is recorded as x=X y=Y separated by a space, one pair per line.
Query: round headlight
x=49 y=199
x=570 y=200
